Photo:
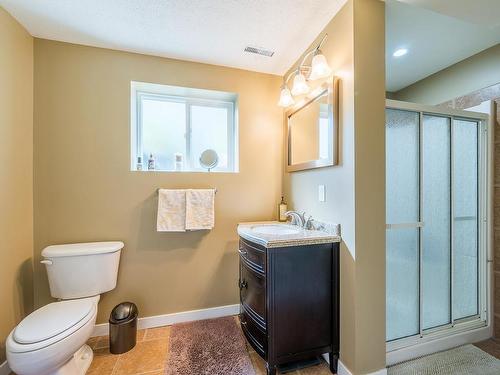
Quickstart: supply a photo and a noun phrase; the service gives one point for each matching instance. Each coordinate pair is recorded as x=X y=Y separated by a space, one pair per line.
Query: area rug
x=464 y=360
x=208 y=347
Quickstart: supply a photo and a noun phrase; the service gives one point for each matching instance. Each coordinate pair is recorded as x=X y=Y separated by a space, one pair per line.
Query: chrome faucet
x=299 y=219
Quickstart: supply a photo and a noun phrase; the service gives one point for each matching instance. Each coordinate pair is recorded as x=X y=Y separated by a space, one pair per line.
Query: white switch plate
x=321 y=193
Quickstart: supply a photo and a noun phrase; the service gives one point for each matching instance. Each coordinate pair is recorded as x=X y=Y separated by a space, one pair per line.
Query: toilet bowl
x=51 y=340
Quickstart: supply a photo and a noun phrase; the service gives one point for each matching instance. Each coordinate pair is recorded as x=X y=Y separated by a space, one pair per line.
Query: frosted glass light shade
x=285 y=97
x=320 y=67
x=300 y=85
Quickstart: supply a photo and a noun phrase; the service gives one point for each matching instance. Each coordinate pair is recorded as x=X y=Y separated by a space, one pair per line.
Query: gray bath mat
x=464 y=360
x=208 y=347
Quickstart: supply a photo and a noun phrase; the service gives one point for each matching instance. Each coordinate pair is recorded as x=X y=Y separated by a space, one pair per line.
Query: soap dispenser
x=282 y=209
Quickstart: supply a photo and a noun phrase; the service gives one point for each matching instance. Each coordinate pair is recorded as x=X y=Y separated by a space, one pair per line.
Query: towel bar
x=215 y=190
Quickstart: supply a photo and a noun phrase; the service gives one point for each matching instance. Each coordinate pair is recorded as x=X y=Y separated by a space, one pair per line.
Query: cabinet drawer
x=253 y=255
x=255 y=336
x=253 y=293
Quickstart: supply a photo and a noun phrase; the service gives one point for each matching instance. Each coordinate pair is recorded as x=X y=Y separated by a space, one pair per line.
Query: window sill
x=184 y=171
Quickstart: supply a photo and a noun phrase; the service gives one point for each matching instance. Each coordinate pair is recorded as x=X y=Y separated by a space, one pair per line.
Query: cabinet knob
x=243 y=284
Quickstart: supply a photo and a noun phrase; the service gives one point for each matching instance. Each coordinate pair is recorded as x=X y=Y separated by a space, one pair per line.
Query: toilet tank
x=82 y=269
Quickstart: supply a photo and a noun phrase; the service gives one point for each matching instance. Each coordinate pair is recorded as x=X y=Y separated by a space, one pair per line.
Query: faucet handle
x=307 y=223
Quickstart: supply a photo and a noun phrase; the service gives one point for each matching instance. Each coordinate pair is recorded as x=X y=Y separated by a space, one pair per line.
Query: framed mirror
x=312 y=129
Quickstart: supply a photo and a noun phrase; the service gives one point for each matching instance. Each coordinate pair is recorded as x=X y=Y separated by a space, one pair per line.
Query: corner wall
x=355 y=188
x=16 y=175
x=474 y=73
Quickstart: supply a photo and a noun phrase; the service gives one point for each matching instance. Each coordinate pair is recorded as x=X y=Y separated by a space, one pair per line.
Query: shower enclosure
x=436 y=222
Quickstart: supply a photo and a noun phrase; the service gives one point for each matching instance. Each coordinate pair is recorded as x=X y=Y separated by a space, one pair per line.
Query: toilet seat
x=52 y=323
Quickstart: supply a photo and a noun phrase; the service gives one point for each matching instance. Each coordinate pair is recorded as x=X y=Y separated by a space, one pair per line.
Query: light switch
x=321 y=193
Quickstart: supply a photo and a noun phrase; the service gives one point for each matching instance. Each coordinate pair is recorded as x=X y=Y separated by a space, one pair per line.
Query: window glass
x=209 y=130
x=175 y=125
x=163 y=132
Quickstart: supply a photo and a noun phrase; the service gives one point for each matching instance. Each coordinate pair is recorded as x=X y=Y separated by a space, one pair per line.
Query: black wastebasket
x=123 y=327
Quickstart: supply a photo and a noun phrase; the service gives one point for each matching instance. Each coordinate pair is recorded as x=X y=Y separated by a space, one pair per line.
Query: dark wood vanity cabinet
x=289 y=300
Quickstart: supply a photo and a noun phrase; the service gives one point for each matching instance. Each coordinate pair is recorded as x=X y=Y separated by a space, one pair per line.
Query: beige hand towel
x=171 y=211
x=200 y=209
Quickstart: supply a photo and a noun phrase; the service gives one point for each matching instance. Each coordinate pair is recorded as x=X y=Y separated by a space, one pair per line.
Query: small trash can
x=123 y=327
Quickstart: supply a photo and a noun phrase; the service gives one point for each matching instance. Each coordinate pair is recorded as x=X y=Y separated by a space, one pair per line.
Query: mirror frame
x=332 y=89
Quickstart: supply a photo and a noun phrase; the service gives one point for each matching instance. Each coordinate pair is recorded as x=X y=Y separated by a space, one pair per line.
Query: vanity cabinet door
x=254 y=255
x=256 y=337
x=253 y=293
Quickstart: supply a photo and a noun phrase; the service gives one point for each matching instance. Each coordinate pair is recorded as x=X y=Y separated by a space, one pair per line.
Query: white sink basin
x=275 y=229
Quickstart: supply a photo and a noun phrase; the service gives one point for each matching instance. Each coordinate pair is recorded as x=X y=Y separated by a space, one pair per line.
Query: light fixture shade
x=286 y=99
x=300 y=85
x=320 y=67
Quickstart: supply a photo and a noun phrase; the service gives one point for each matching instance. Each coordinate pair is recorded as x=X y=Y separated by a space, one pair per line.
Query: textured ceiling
x=434 y=40
x=209 y=31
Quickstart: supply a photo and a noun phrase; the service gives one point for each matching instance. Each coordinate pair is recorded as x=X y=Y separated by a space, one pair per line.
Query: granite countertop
x=294 y=235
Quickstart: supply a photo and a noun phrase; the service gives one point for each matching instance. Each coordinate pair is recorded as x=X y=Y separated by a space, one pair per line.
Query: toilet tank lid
x=76 y=249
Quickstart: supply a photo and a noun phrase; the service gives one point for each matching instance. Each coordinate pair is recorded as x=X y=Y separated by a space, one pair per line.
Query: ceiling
x=481 y=12
x=436 y=40
x=209 y=31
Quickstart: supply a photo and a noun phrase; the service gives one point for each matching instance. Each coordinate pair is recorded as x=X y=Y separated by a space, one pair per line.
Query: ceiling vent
x=259 y=51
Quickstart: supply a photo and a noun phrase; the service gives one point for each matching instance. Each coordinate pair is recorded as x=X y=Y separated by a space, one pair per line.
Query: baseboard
x=5 y=369
x=344 y=370
x=168 y=319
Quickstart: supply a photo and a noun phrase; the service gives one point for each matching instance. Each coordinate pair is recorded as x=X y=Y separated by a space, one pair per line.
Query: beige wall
x=369 y=129
x=474 y=73
x=355 y=188
x=84 y=190
x=16 y=175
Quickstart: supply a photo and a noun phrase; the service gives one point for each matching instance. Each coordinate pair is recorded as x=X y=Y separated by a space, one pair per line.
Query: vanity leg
x=334 y=361
x=270 y=369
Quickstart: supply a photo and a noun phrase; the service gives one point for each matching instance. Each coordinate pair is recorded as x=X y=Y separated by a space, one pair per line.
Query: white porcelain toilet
x=51 y=340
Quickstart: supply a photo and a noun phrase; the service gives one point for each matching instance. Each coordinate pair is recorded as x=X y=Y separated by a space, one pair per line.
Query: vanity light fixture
x=286 y=98
x=318 y=69
x=300 y=85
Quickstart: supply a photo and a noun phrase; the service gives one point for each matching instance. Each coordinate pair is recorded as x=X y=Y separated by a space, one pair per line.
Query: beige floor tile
x=147 y=356
x=103 y=363
x=102 y=342
x=258 y=364
x=322 y=369
x=490 y=346
x=92 y=341
x=157 y=333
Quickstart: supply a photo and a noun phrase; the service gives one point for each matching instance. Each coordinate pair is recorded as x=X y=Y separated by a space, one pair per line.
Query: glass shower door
x=402 y=218
x=433 y=241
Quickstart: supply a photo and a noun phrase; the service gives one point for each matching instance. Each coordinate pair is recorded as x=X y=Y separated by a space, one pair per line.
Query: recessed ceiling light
x=400 y=52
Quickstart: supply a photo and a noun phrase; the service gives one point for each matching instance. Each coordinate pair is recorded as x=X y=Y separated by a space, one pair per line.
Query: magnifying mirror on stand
x=209 y=159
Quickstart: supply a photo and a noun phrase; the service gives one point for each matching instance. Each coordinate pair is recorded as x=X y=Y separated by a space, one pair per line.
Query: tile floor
x=150 y=354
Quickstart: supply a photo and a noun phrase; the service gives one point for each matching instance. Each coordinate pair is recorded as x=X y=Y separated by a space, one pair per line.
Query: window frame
x=190 y=98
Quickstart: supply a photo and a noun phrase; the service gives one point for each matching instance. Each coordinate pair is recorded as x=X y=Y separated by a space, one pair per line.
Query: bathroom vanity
x=289 y=292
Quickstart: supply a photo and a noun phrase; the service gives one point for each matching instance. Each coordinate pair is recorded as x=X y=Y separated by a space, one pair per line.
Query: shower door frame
x=402 y=349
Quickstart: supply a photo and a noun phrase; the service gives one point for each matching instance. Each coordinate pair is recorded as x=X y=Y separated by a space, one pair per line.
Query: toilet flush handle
x=46 y=261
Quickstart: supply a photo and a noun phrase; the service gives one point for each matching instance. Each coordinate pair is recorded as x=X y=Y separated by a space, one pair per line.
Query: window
x=175 y=125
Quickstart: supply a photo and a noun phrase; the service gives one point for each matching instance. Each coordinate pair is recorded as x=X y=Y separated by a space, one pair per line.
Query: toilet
x=52 y=340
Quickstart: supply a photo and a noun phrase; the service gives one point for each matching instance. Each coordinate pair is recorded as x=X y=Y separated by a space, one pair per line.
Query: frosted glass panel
x=401 y=166
x=163 y=132
x=436 y=257
x=209 y=129
x=402 y=297
x=402 y=315
x=465 y=225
